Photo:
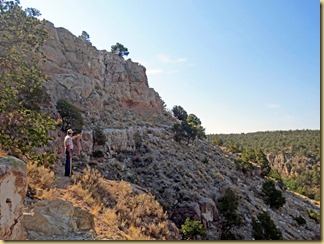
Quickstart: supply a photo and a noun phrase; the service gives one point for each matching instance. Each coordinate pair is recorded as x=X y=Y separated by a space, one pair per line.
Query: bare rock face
x=13 y=187
x=56 y=218
x=209 y=212
x=116 y=140
x=291 y=166
x=103 y=85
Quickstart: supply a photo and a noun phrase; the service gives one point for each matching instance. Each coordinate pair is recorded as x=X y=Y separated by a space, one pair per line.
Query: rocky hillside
x=167 y=181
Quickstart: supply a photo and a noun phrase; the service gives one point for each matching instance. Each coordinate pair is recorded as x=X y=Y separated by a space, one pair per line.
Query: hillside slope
x=113 y=96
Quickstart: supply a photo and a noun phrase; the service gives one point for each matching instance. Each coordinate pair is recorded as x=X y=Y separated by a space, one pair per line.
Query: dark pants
x=67 y=163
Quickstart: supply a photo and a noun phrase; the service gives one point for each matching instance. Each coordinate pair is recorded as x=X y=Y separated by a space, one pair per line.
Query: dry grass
x=110 y=216
x=2 y=153
x=40 y=179
x=117 y=209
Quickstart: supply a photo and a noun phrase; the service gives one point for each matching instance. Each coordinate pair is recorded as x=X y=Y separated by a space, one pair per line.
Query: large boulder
x=56 y=218
x=13 y=187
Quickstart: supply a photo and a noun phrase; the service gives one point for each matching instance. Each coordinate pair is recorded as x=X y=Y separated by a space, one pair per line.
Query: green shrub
x=264 y=228
x=275 y=175
x=97 y=154
x=313 y=215
x=205 y=160
x=99 y=137
x=242 y=165
x=300 y=220
x=71 y=116
x=271 y=195
x=138 y=140
x=192 y=228
x=189 y=127
x=217 y=141
x=227 y=207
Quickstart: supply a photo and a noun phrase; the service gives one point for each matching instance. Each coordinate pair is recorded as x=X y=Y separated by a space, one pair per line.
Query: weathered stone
x=50 y=218
x=13 y=188
x=57 y=217
x=208 y=210
x=84 y=220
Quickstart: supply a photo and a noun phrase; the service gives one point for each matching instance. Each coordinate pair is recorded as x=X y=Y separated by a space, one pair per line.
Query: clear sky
x=238 y=65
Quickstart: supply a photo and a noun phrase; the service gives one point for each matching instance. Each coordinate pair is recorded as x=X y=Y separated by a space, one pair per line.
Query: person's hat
x=69 y=131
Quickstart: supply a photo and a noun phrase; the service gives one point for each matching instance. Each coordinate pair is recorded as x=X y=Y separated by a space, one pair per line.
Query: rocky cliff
x=188 y=181
x=107 y=88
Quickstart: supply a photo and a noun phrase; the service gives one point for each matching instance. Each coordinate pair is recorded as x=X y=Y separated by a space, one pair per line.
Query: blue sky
x=239 y=65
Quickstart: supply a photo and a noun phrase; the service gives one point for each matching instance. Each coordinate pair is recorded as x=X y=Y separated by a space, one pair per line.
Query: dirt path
x=62 y=182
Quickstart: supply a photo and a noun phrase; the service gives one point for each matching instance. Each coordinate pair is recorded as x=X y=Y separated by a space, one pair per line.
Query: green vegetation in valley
x=256 y=156
x=294 y=142
x=300 y=143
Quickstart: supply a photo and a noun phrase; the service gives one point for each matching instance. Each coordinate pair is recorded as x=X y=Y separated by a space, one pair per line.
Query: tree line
x=295 y=142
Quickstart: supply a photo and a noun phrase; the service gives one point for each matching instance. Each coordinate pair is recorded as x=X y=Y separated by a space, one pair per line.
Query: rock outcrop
x=291 y=166
x=105 y=86
x=56 y=219
x=13 y=188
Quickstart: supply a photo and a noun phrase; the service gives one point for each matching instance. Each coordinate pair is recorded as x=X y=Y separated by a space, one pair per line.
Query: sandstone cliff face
x=103 y=85
x=13 y=188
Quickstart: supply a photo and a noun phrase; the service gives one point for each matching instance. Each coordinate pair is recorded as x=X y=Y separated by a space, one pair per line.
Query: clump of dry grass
x=2 y=153
x=133 y=216
x=40 y=179
x=143 y=212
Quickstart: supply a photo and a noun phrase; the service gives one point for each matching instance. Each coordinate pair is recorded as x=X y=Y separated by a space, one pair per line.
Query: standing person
x=68 y=145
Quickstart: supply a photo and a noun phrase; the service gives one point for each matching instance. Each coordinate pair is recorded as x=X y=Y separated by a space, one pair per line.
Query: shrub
x=179 y=113
x=218 y=141
x=205 y=160
x=300 y=220
x=97 y=154
x=39 y=177
x=119 y=49
x=189 y=127
x=85 y=36
x=71 y=116
x=313 y=215
x=138 y=140
x=275 y=175
x=192 y=228
x=271 y=195
x=242 y=165
x=99 y=137
x=264 y=228
x=227 y=206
